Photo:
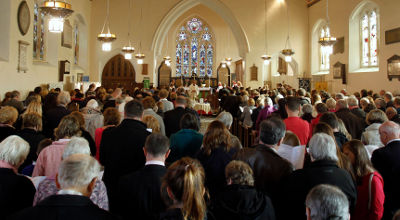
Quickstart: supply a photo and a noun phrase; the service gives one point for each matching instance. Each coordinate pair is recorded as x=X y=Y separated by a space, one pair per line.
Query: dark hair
x=157 y=144
x=272 y=130
x=321 y=108
x=43 y=144
x=217 y=135
x=362 y=164
x=323 y=127
x=133 y=109
x=37 y=90
x=111 y=116
x=293 y=103
x=364 y=93
x=148 y=102
x=189 y=121
x=331 y=119
x=181 y=100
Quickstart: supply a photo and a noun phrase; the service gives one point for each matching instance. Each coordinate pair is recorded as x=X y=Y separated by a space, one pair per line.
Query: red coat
x=375 y=212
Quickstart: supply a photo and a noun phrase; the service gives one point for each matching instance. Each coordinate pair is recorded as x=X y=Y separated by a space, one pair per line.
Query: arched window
x=38 y=34
x=324 y=62
x=369 y=41
x=194 y=49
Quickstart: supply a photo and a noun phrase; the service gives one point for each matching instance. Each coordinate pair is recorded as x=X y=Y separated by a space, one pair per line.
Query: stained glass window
x=369 y=39
x=38 y=34
x=324 y=53
x=194 y=49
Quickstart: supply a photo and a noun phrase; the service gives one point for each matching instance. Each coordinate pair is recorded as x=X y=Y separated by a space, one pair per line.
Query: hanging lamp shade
x=288 y=53
x=266 y=58
x=58 y=11
x=167 y=60
x=106 y=38
x=128 y=51
x=228 y=61
x=327 y=41
x=140 y=57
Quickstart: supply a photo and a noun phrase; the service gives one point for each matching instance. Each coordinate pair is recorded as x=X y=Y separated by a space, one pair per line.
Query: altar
x=203 y=92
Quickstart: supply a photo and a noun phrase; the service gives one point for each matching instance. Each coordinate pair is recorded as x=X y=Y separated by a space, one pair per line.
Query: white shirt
x=69 y=192
x=155 y=162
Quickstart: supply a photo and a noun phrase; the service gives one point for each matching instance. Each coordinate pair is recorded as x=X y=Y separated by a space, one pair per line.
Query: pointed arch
x=118 y=72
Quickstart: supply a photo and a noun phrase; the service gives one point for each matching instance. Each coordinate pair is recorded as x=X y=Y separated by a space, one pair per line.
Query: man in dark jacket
x=121 y=148
x=240 y=200
x=53 y=116
x=322 y=170
x=386 y=160
x=354 y=107
x=139 y=194
x=269 y=168
x=331 y=119
x=354 y=125
x=173 y=117
x=76 y=178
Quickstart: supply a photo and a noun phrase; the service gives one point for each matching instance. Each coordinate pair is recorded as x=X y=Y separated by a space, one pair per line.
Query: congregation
x=118 y=154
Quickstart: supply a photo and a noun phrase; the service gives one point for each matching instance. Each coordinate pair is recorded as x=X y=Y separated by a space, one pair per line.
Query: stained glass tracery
x=369 y=40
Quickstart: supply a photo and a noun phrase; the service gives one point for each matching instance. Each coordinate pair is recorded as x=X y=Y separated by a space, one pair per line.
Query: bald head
x=391 y=112
x=341 y=104
x=389 y=131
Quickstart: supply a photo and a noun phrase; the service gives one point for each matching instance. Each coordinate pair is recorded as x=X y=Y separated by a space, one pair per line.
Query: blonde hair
x=8 y=115
x=14 y=150
x=239 y=173
x=35 y=107
x=32 y=119
x=376 y=116
x=331 y=103
x=68 y=127
x=152 y=123
x=291 y=139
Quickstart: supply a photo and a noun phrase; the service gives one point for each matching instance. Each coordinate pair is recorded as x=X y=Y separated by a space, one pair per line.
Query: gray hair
x=323 y=147
x=77 y=145
x=226 y=119
x=327 y=202
x=14 y=150
x=342 y=104
x=307 y=108
x=352 y=101
x=339 y=96
x=331 y=103
x=77 y=170
x=63 y=98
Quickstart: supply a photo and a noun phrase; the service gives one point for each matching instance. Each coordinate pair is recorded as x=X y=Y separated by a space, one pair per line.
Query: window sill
x=366 y=70
x=321 y=73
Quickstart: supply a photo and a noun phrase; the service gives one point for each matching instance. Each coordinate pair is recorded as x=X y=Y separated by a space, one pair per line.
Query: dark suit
x=139 y=194
x=33 y=138
x=121 y=153
x=358 y=112
x=6 y=131
x=354 y=125
x=302 y=181
x=53 y=118
x=16 y=192
x=387 y=162
x=172 y=120
x=64 y=207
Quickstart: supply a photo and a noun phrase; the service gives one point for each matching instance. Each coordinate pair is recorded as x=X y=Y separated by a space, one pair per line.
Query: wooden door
x=164 y=75
x=118 y=73
x=224 y=75
x=239 y=71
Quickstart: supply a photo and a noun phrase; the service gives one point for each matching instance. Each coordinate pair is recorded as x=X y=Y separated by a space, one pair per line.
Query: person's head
x=15 y=95
x=14 y=150
x=301 y=92
x=92 y=104
x=321 y=108
x=272 y=131
x=376 y=116
x=388 y=96
x=152 y=123
x=184 y=183
x=80 y=117
x=37 y=90
x=391 y=112
x=156 y=147
x=116 y=93
x=34 y=107
x=68 y=128
x=189 y=121
x=291 y=139
x=293 y=105
x=389 y=131
x=339 y=96
x=358 y=156
x=148 y=102
x=380 y=103
x=32 y=120
x=78 y=172
x=181 y=101
x=77 y=145
x=216 y=136
x=163 y=93
x=8 y=115
x=364 y=102
x=239 y=173
x=352 y=102
x=341 y=104
x=63 y=98
x=396 y=102
x=322 y=147
x=251 y=102
x=226 y=118
x=307 y=109
x=111 y=116
x=260 y=101
x=331 y=104
x=323 y=127
x=43 y=144
x=331 y=119
x=327 y=202
x=133 y=109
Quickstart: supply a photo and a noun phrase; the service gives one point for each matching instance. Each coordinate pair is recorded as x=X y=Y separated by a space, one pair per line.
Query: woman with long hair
x=370 y=195
x=183 y=187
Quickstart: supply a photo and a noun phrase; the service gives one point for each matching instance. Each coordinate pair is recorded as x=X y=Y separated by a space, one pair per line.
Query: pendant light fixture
x=288 y=52
x=223 y=64
x=128 y=50
x=266 y=58
x=327 y=41
x=106 y=38
x=140 y=56
x=58 y=11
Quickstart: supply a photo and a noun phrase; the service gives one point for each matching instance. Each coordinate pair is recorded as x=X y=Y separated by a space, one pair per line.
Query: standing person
x=112 y=118
x=172 y=117
x=163 y=98
x=15 y=101
x=353 y=123
x=139 y=195
x=193 y=90
x=184 y=189
x=121 y=148
x=53 y=116
x=8 y=117
x=386 y=161
x=370 y=195
x=294 y=123
x=148 y=104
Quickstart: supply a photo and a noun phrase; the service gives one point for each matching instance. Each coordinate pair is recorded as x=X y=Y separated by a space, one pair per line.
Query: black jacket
x=139 y=194
x=340 y=139
x=6 y=131
x=64 y=207
x=354 y=125
x=239 y=202
x=121 y=153
x=387 y=161
x=302 y=181
x=33 y=138
x=92 y=145
x=358 y=112
x=172 y=120
x=16 y=192
x=52 y=119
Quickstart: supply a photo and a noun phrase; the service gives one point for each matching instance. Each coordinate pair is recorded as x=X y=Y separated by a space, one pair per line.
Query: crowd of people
x=116 y=154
